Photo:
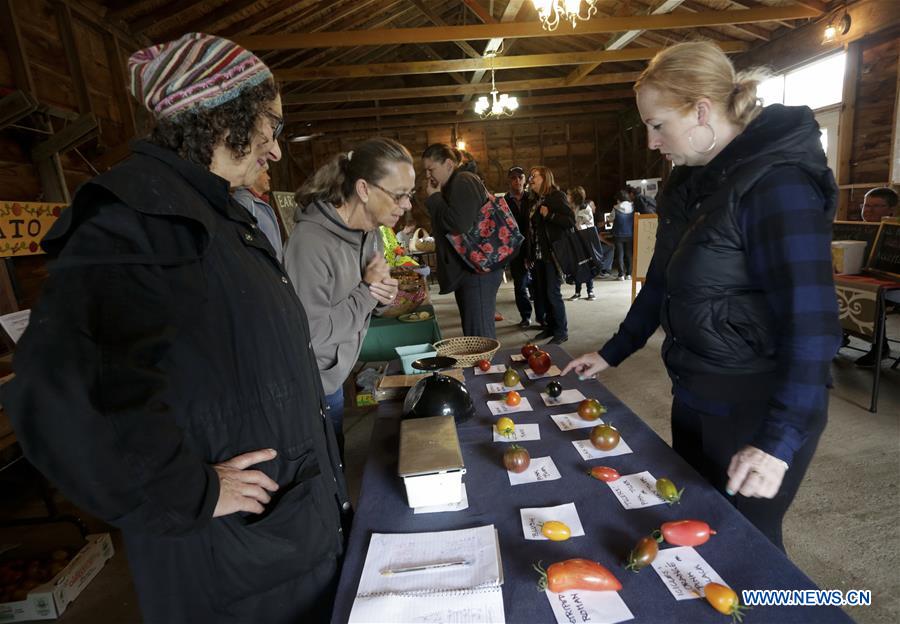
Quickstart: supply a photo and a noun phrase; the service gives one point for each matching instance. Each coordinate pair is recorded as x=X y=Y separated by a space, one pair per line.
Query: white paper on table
x=684 y=572
x=606 y=607
x=496 y=368
x=499 y=388
x=588 y=451
x=568 y=422
x=534 y=517
x=637 y=490
x=498 y=408
x=462 y=504
x=567 y=396
x=517 y=357
x=520 y=433
x=474 y=607
x=15 y=323
x=540 y=469
x=553 y=371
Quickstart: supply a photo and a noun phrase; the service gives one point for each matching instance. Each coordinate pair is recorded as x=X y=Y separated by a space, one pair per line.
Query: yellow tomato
x=505 y=426
x=556 y=531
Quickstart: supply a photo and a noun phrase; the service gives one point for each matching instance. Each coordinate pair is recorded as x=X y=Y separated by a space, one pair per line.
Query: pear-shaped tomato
x=724 y=600
x=511 y=378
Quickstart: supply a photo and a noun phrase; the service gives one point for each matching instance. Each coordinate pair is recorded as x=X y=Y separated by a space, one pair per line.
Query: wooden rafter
x=291 y=41
x=162 y=14
x=437 y=20
x=212 y=21
x=277 y=14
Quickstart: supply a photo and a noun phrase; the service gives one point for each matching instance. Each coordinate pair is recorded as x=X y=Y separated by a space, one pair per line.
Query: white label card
x=567 y=396
x=568 y=422
x=498 y=408
x=15 y=323
x=521 y=433
x=462 y=504
x=533 y=519
x=496 y=368
x=635 y=491
x=588 y=451
x=499 y=388
x=684 y=572
x=605 y=607
x=517 y=357
x=553 y=371
x=540 y=469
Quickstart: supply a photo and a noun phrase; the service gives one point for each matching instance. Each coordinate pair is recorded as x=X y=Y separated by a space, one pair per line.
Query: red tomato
x=686 y=532
x=605 y=437
x=724 y=600
x=577 y=574
x=528 y=349
x=516 y=459
x=590 y=409
x=604 y=473
x=398 y=250
x=539 y=362
x=484 y=365
x=513 y=398
x=643 y=554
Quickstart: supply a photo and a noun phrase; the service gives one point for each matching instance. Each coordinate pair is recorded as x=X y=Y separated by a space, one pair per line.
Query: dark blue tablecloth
x=739 y=553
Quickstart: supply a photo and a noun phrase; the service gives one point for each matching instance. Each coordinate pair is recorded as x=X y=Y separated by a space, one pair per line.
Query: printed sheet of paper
x=499 y=408
x=15 y=323
x=521 y=433
x=586 y=606
x=540 y=469
x=534 y=517
x=568 y=422
x=567 y=396
x=684 y=572
x=462 y=504
x=476 y=607
x=588 y=451
x=496 y=368
x=637 y=490
x=553 y=371
x=499 y=388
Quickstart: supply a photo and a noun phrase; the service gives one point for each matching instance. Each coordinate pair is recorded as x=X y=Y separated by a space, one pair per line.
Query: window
x=816 y=85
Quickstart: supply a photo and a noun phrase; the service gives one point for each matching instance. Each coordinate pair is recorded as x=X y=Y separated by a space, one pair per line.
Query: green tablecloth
x=386 y=333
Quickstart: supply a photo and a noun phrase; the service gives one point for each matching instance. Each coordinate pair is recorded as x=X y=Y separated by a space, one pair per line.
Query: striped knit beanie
x=195 y=70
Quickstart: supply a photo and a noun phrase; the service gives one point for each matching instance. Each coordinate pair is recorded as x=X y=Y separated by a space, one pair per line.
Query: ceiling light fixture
x=552 y=12
x=837 y=26
x=500 y=104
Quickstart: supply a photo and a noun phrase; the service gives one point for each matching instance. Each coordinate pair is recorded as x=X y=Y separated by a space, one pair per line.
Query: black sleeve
x=88 y=400
x=465 y=195
x=561 y=214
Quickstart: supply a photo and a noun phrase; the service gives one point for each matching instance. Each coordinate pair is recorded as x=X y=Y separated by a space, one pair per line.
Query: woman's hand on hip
x=587 y=365
x=754 y=473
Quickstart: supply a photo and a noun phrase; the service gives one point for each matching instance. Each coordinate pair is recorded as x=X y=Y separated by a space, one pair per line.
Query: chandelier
x=552 y=11
x=500 y=104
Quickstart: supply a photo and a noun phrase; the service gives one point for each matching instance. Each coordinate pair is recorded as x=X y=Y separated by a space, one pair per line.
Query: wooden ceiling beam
x=468 y=65
x=437 y=20
x=210 y=22
x=279 y=12
x=163 y=14
x=748 y=29
x=366 y=95
x=514 y=30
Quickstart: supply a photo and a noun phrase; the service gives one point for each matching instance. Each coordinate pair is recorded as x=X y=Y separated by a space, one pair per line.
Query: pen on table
x=430 y=566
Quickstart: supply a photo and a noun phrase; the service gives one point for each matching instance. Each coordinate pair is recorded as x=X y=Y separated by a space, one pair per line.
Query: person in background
x=165 y=382
x=335 y=257
x=255 y=199
x=517 y=200
x=741 y=279
x=643 y=204
x=879 y=203
x=404 y=236
x=454 y=198
x=623 y=234
x=550 y=218
x=584 y=219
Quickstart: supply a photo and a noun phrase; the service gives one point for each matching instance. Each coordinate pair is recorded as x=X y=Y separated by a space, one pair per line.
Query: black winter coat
x=544 y=231
x=169 y=338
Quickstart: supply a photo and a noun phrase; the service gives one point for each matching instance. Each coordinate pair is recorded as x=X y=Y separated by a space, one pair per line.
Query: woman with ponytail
x=335 y=259
x=455 y=193
x=741 y=279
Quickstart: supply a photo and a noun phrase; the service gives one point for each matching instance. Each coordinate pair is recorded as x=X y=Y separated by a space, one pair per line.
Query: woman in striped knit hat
x=166 y=383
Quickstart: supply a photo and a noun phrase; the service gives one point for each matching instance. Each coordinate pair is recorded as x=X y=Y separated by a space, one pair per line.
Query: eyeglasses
x=396 y=197
x=278 y=126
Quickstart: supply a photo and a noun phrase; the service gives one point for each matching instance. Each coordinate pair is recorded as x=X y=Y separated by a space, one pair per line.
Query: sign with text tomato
x=23 y=225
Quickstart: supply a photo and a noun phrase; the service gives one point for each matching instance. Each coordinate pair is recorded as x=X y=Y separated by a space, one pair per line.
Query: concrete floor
x=842 y=529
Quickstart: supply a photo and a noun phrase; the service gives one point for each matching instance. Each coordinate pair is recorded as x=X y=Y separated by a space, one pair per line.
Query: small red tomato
x=516 y=459
x=724 y=600
x=398 y=250
x=577 y=574
x=605 y=437
x=686 y=532
x=590 y=409
x=484 y=365
x=528 y=349
x=643 y=554
x=604 y=473
x=513 y=398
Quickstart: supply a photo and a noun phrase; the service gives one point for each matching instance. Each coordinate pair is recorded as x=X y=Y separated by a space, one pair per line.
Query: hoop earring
x=712 y=145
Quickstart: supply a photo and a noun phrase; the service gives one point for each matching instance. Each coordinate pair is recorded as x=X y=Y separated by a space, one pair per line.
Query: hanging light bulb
x=551 y=12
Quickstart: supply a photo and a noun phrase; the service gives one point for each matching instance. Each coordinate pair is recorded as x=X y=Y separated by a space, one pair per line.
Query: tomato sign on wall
x=23 y=225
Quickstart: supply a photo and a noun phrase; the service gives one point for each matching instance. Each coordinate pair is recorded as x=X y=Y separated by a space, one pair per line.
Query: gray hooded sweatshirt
x=326 y=260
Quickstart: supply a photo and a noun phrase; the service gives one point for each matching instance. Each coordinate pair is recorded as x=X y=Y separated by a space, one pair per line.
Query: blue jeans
x=334 y=407
x=521 y=285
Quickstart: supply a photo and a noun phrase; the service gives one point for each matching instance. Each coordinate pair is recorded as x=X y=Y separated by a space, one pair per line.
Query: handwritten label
x=567 y=396
x=684 y=572
x=520 y=433
x=540 y=469
x=588 y=451
x=496 y=368
x=568 y=422
x=533 y=518
x=572 y=607
x=499 y=388
x=553 y=371
x=635 y=491
x=462 y=504
x=498 y=408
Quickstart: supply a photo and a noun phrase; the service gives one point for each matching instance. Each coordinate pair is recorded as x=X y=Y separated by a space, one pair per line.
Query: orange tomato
x=513 y=398
x=724 y=600
x=556 y=531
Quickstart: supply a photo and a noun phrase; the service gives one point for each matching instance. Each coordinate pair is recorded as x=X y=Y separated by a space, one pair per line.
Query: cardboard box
x=49 y=601
x=431 y=462
x=848 y=257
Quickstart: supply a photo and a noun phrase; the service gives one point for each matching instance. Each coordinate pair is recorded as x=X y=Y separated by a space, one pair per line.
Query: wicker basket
x=411 y=292
x=467 y=350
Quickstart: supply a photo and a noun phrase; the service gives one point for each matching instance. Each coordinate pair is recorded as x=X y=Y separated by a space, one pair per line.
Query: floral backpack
x=492 y=241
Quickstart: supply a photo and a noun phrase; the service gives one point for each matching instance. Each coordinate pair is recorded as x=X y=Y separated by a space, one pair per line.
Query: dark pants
x=590 y=287
x=623 y=256
x=334 y=405
x=521 y=284
x=708 y=443
x=609 y=253
x=476 y=298
x=547 y=297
